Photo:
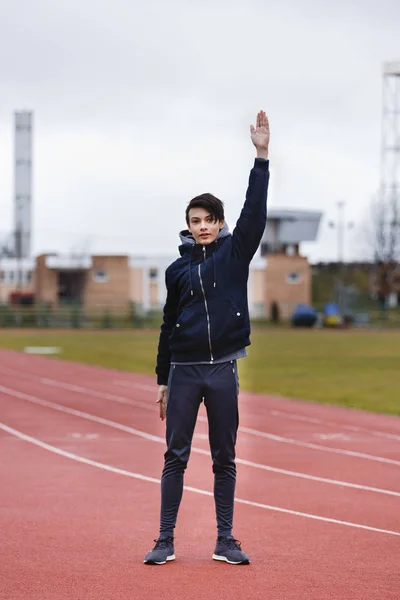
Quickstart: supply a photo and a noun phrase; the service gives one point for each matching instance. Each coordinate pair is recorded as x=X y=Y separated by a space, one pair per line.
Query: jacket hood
x=188 y=244
x=188 y=240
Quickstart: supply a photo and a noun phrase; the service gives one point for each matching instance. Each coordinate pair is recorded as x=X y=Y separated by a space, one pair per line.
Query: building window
x=272 y=248
x=100 y=276
x=2 y=276
x=293 y=278
x=153 y=273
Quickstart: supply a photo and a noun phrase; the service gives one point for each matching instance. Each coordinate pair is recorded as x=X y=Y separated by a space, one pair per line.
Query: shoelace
x=162 y=543
x=231 y=543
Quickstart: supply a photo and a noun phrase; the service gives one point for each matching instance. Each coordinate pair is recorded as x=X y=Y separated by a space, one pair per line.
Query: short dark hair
x=209 y=202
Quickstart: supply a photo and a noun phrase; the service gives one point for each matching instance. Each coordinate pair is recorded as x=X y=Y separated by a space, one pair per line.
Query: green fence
x=129 y=316
x=78 y=317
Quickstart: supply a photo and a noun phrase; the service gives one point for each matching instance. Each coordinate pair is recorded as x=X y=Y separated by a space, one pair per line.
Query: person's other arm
x=164 y=352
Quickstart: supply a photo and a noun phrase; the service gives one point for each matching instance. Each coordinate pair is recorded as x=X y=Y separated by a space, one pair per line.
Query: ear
x=221 y=224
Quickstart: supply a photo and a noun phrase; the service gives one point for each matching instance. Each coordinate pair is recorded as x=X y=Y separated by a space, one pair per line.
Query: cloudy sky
x=139 y=106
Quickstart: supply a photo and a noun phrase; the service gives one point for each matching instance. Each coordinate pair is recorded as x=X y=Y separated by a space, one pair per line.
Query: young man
x=205 y=329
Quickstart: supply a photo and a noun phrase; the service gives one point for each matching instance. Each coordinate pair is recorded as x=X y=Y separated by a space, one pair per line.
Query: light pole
x=340 y=230
x=341 y=225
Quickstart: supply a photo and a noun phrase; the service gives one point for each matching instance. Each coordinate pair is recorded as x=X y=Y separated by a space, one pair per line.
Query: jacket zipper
x=206 y=307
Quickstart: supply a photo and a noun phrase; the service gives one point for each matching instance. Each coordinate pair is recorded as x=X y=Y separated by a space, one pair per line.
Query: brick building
x=287 y=277
x=278 y=273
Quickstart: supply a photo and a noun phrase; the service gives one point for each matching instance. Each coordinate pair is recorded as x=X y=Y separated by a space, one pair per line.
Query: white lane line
x=285 y=440
x=274 y=412
x=343 y=437
x=79 y=413
x=161 y=440
x=248 y=430
x=304 y=419
x=137 y=386
x=79 y=389
x=276 y=438
x=118 y=471
x=278 y=413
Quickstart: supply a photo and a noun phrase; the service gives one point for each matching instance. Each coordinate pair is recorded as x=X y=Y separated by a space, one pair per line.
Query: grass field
x=351 y=368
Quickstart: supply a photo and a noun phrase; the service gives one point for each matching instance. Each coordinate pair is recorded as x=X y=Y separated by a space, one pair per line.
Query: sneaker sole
x=153 y=562
x=231 y=562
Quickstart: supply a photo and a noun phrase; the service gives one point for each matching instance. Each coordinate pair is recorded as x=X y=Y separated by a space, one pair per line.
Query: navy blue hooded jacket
x=206 y=313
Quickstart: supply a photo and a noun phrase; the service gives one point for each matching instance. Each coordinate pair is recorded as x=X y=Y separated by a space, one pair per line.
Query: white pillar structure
x=146 y=288
x=161 y=290
x=23 y=184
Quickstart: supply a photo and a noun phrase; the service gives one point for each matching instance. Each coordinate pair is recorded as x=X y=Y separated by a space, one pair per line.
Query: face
x=203 y=227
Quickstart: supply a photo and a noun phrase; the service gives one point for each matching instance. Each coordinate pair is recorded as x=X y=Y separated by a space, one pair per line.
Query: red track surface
x=78 y=530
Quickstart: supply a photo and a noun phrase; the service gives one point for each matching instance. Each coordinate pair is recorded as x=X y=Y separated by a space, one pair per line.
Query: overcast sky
x=139 y=106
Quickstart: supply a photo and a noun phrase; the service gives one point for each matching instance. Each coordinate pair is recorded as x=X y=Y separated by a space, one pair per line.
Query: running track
x=318 y=494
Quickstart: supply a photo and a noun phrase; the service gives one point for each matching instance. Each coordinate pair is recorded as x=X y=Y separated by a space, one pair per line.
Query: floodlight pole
x=340 y=231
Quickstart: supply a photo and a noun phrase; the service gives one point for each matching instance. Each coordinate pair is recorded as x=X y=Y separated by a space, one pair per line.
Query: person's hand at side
x=162 y=400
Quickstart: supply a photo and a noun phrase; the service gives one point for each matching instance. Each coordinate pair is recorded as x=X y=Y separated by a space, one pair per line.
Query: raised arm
x=246 y=236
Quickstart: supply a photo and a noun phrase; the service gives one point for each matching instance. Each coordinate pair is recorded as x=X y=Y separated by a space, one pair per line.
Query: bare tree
x=382 y=229
x=381 y=233
x=394 y=226
x=6 y=247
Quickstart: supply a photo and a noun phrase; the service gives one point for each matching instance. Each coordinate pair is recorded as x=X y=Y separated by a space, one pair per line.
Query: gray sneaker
x=228 y=549
x=162 y=552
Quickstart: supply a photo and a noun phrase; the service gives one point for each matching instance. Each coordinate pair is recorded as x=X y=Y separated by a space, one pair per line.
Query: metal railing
x=124 y=315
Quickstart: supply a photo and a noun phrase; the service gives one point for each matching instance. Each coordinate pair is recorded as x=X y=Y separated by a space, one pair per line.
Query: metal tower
x=23 y=184
x=389 y=197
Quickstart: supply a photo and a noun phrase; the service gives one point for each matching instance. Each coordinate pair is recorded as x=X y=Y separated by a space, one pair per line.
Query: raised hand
x=260 y=134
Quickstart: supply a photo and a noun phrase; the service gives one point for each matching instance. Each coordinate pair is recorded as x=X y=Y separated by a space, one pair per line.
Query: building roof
x=286 y=226
x=287 y=213
x=13 y=263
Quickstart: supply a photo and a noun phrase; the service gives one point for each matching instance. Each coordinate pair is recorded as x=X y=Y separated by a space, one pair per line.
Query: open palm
x=260 y=133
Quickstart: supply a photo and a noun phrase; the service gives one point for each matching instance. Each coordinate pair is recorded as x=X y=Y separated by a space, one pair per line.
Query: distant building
x=278 y=273
x=287 y=278
x=16 y=275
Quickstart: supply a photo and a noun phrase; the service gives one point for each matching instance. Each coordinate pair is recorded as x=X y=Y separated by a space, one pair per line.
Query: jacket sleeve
x=169 y=320
x=246 y=236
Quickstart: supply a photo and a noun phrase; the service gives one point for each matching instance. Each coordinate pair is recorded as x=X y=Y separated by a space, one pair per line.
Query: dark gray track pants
x=187 y=386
